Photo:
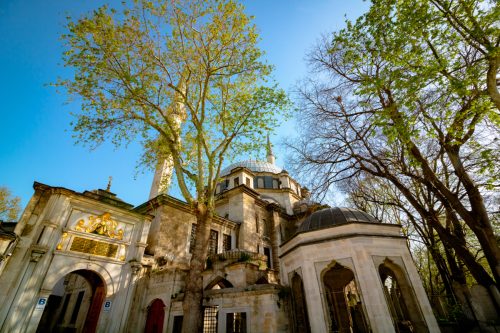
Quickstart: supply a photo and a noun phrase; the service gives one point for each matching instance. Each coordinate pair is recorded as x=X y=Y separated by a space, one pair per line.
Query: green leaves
x=9 y=205
x=186 y=77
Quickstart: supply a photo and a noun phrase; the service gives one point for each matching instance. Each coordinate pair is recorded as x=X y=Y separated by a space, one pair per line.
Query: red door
x=156 y=315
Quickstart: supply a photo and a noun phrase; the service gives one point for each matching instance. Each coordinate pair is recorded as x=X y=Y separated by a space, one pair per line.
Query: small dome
x=255 y=166
x=330 y=217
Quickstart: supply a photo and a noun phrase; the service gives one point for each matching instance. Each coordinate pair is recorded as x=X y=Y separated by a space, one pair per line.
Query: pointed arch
x=155 y=317
x=219 y=283
x=403 y=305
x=343 y=299
x=299 y=304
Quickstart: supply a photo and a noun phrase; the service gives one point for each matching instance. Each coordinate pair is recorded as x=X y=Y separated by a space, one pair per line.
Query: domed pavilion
x=349 y=272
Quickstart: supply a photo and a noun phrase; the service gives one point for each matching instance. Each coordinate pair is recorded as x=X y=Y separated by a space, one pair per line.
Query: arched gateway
x=75 y=304
x=89 y=262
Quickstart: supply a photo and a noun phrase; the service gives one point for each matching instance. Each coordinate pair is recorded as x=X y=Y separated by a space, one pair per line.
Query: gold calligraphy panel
x=90 y=246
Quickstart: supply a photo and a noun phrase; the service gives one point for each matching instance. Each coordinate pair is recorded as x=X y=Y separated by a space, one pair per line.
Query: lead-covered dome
x=255 y=166
x=330 y=217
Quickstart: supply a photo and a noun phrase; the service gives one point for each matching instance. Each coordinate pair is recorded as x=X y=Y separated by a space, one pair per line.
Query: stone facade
x=89 y=262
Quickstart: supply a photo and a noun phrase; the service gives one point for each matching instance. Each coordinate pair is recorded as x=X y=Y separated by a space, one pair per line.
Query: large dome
x=255 y=166
x=330 y=217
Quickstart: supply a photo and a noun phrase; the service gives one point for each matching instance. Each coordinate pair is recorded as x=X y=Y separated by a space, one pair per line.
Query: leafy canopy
x=9 y=205
x=185 y=77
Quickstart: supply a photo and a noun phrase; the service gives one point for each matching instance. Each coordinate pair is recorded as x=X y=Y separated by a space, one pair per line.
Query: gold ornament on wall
x=60 y=246
x=102 y=225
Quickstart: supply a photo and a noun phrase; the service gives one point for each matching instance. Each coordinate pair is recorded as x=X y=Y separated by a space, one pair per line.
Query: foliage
x=244 y=257
x=404 y=94
x=185 y=77
x=9 y=205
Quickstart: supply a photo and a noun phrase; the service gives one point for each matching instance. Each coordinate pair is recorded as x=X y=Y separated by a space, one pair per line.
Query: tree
x=404 y=94
x=188 y=79
x=9 y=205
x=383 y=200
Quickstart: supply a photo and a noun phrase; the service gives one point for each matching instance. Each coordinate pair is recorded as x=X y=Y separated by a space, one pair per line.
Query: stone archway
x=156 y=316
x=299 y=304
x=345 y=311
x=75 y=304
x=401 y=300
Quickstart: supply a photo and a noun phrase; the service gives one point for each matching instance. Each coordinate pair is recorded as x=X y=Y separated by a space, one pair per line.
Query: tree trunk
x=478 y=272
x=442 y=269
x=461 y=292
x=477 y=218
x=491 y=80
x=193 y=295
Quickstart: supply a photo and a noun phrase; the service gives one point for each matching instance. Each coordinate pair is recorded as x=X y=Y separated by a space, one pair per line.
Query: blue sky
x=36 y=142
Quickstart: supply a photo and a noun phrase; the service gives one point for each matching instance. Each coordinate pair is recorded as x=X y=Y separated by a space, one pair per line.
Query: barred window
x=210 y=319
x=236 y=322
x=226 y=242
x=212 y=242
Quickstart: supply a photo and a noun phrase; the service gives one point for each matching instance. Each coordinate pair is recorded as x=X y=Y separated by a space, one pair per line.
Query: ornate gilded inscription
x=102 y=225
x=94 y=247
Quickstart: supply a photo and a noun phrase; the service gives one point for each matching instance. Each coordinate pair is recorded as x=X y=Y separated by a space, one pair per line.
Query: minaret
x=162 y=178
x=270 y=156
x=165 y=167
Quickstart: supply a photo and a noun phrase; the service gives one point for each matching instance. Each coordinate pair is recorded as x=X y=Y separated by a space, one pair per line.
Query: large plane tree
x=187 y=79
x=408 y=93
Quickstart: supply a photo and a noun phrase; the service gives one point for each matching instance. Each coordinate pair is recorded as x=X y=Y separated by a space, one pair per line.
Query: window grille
x=212 y=242
x=210 y=319
x=226 y=242
x=236 y=322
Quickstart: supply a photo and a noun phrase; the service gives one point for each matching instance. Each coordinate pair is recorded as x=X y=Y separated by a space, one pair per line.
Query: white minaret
x=270 y=156
x=162 y=177
x=165 y=167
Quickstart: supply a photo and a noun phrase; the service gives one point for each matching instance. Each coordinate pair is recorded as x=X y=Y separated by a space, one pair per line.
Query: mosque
x=278 y=262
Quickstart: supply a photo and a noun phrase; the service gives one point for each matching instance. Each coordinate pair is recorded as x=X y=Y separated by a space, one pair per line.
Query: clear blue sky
x=36 y=142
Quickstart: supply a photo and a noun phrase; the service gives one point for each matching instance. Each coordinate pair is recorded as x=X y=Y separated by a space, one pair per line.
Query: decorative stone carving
x=135 y=266
x=102 y=225
x=36 y=255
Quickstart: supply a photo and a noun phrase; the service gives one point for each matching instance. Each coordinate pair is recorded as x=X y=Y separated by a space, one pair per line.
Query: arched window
x=299 y=305
x=402 y=304
x=344 y=301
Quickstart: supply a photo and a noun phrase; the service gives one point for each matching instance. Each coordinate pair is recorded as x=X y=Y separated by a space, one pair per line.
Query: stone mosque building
x=90 y=262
